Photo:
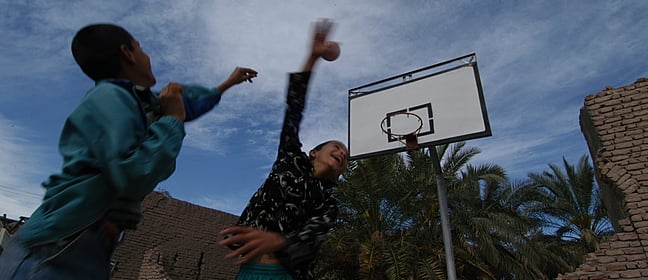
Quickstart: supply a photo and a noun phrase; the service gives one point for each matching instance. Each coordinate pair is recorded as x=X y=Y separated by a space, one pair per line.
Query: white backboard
x=449 y=101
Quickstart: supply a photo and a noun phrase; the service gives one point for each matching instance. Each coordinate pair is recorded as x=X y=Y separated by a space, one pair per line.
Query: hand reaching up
x=319 y=45
x=239 y=75
x=322 y=29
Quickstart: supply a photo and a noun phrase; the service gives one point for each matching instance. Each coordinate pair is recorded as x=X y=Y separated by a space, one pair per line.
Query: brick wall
x=615 y=124
x=175 y=240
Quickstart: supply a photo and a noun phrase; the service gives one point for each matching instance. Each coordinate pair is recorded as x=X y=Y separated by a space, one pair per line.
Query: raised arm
x=318 y=46
x=239 y=75
x=199 y=100
x=298 y=86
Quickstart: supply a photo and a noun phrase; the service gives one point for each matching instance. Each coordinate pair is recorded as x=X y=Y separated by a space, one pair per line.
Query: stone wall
x=175 y=240
x=615 y=124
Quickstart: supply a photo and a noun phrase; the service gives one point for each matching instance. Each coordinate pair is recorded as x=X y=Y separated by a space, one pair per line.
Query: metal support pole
x=443 y=209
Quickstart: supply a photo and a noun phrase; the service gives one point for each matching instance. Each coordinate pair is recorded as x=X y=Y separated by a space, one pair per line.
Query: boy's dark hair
x=96 y=48
x=319 y=147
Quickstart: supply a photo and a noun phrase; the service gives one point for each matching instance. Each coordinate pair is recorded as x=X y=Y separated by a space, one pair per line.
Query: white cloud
x=537 y=62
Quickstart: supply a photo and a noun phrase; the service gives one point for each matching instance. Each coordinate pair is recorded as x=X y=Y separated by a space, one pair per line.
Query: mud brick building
x=176 y=240
x=615 y=124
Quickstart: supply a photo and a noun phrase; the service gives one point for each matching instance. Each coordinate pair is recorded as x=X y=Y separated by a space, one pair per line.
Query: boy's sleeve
x=108 y=124
x=302 y=247
x=199 y=100
x=295 y=104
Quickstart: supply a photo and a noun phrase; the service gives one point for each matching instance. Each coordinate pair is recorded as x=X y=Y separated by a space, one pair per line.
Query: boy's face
x=333 y=157
x=143 y=75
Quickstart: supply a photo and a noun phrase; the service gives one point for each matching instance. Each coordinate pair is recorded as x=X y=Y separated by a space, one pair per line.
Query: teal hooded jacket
x=110 y=152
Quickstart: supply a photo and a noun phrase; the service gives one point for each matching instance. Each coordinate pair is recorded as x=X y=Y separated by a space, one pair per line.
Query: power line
x=17 y=191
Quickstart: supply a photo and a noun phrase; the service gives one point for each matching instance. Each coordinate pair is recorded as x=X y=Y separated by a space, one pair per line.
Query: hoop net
x=408 y=137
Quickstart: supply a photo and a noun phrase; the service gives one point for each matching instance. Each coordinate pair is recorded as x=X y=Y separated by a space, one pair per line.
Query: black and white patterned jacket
x=292 y=201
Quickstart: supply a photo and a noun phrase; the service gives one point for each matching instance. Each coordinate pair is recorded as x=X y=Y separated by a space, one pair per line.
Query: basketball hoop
x=408 y=138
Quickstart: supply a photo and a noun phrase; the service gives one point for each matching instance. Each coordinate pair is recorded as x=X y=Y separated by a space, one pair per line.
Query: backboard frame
x=418 y=75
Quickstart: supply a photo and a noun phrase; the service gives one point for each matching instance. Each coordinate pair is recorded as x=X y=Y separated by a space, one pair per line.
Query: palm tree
x=576 y=213
x=389 y=225
x=366 y=220
x=497 y=224
x=490 y=219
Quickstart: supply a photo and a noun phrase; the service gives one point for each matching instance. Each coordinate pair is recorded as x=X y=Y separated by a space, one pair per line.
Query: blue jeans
x=85 y=255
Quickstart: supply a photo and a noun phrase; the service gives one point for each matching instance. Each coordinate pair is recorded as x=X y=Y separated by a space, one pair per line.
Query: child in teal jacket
x=117 y=145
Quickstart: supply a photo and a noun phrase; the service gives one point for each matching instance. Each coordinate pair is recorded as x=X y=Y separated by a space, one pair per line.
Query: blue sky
x=537 y=60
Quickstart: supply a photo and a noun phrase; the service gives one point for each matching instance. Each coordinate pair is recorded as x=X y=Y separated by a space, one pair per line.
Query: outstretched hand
x=322 y=29
x=255 y=243
x=319 y=46
x=239 y=75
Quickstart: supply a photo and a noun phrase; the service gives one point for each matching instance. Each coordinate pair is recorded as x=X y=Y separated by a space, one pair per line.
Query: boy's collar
x=125 y=83
x=116 y=81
